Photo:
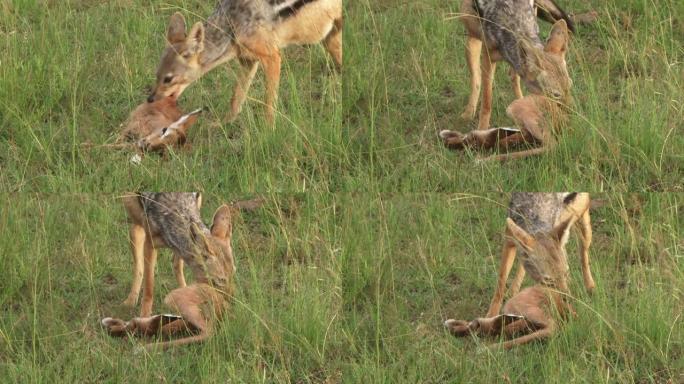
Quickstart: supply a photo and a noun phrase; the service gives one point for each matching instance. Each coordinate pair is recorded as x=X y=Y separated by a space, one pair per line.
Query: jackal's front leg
x=507 y=258
x=472 y=51
x=488 y=70
x=271 y=65
x=137 y=238
x=246 y=74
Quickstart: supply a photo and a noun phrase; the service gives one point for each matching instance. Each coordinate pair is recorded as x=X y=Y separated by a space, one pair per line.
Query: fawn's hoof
x=468 y=114
x=109 y=322
x=452 y=139
x=457 y=328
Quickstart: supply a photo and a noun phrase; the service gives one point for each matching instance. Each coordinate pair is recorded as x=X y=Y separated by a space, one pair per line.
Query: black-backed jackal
x=537 y=116
x=538 y=224
x=252 y=31
x=509 y=31
x=173 y=220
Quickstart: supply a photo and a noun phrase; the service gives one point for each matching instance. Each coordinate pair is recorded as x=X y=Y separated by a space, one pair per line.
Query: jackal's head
x=544 y=256
x=547 y=72
x=217 y=250
x=180 y=63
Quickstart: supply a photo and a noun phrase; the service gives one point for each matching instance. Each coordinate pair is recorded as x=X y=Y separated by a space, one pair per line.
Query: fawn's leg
x=473 y=50
x=586 y=235
x=137 y=238
x=188 y=302
x=507 y=258
x=246 y=74
x=333 y=44
x=488 y=70
x=536 y=335
x=148 y=288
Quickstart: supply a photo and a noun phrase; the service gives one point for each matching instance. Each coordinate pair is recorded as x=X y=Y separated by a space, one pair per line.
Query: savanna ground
x=342 y=288
x=406 y=79
x=353 y=285
x=71 y=71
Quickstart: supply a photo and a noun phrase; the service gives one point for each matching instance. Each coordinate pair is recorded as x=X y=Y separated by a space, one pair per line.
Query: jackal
x=537 y=116
x=539 y=224
x=510 y=32
x=145 y=240
x=173 y=220
x=253 y=31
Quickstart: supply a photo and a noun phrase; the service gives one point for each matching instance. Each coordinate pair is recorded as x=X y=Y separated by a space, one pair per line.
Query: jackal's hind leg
x=333 y=44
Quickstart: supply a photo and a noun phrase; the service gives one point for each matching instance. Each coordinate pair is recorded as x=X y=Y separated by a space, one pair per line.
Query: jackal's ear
x=531 y=55
x=195 y=39
x=222 y=226
x=561 y=229
x=198 y=199
x=175 y=33
x=558 y=39
x=520 y=236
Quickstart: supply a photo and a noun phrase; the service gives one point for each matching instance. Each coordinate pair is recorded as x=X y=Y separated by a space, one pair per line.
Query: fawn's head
x=547 y=72
x=216 y=248
x=175 y=134
x=544 y=253
x=179 y=65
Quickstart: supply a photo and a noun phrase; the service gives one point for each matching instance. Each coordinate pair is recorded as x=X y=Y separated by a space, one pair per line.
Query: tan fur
x=200 y=304
x=533 y=313
x=536 y=116
x=575 y=212
x=144 y=245
x=484 y=79
x=528 y=316
x=145 y=126
x=320 y=21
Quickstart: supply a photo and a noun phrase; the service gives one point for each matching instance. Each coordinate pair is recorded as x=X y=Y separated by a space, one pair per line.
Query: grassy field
x=372 y=234
x=71 y=72
x=407 y=79
x=342 y=288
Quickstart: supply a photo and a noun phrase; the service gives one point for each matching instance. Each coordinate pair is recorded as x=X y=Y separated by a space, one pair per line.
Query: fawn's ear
x=558 y=39
x=175 y=33
x=520 y=236
x=195 y=39
x=222 y=226
x=561 y=229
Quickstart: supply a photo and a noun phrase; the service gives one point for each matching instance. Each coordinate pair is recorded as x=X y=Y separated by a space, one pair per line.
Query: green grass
x=96 y=61
x=343 y=288
x=407 y=79
x=372 y=234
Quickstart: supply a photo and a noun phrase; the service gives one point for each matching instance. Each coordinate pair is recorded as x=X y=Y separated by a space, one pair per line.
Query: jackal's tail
x=549 y=11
